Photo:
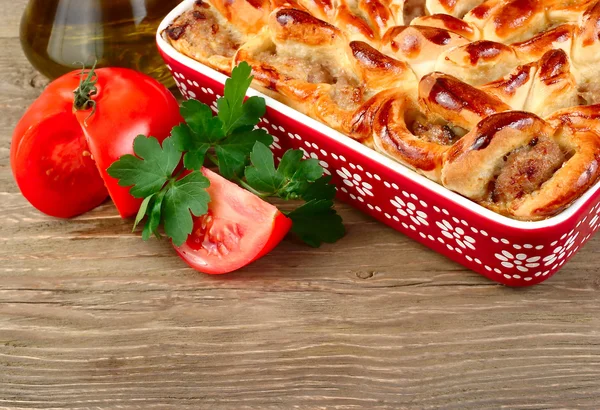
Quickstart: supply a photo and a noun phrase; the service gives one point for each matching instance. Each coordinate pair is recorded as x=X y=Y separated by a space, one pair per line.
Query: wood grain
x=92 y=317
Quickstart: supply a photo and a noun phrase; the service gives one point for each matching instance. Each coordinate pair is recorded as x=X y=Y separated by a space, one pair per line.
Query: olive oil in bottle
x=59 y=36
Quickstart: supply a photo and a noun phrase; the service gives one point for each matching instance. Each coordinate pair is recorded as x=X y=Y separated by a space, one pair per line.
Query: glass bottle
x=59 y=36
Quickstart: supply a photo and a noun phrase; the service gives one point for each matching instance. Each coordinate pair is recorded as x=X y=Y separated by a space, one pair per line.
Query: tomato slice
x=238 y=229
x=56 y=171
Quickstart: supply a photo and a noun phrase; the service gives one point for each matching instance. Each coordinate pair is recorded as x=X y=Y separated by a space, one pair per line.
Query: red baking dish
x=511 y=252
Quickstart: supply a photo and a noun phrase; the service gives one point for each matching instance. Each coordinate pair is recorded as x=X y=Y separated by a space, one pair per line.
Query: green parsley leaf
x=316 y=222
x=292 y=166
x=201 y=131
x=298 y=174
x=149 y=170
x=290 y=162
x=322 y=188
x=185 y=195
x=233 y=112
x=289 y=181
x=231 y=133
x=147 y=231
x=251 y=112
x=142 y=211
x=200 y=119
x=186 y=141
x=262 y=175
x=232 y=152
x=154 y=217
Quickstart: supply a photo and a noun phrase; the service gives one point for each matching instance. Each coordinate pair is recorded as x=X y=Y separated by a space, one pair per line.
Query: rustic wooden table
x=91 y=316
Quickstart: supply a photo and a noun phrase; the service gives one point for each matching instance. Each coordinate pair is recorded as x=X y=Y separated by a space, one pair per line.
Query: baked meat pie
x=314 y=69
x=493 y=99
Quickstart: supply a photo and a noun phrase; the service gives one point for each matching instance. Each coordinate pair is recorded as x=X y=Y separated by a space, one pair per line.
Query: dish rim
x=356 y=146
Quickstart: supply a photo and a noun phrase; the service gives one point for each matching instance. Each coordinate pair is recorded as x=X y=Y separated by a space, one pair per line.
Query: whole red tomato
x=67 y=139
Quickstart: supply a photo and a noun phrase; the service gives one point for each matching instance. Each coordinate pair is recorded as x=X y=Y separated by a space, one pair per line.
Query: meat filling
x=527 y=168
x=589 y=93
x=191 y=29
x=412 y=10
x=346 y=91
x=305 y=68
x=436 y=133
x=320 y=74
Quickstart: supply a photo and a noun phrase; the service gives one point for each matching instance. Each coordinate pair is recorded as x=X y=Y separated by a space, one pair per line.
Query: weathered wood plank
x=10 y=13
x=265 y=341
x=91 y=316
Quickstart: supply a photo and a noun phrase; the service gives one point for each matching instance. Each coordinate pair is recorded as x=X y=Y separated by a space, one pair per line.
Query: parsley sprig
x=168 y=195
x=240 y=150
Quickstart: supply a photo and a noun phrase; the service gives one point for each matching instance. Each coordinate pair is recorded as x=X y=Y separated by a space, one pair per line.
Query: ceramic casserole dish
x=511 y=252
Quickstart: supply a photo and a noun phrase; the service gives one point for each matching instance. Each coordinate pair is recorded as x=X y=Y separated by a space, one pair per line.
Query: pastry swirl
x=519 y=165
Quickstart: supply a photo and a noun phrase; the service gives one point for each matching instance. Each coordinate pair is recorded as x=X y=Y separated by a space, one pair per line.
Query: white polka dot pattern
x=496 y=251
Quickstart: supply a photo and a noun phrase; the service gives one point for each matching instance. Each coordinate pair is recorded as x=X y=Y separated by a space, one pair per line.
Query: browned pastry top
x=494 y=99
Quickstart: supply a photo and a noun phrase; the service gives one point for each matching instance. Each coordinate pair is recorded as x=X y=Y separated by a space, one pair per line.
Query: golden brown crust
x=449 y=23
x=514 y=88
x=541 y=87
x=533 y=49
x=341 y=105
x=568 y=183
x=554 y=86
x=362 y=120
x=364 y=20
x=478 y=62
x=249 y=16
x=567 y=11
x=455 y=8
x=509 y=21
x=580 y=118
x=379 y=70
x=419 y=133
x=459 y=103
x=586 y=52
x=322 y=9
x=287 y=24
x=420 y=45
x=471 y=164
x=279 y=72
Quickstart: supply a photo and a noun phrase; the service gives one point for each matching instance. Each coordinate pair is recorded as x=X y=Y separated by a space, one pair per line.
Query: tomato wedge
x=238 y=229
x=60 y=152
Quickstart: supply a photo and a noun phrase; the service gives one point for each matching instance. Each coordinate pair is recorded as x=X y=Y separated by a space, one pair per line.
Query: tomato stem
x=86 y=90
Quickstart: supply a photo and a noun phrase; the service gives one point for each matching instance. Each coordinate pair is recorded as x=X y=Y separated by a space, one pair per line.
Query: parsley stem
x=238 y=180
x=213 y=159
x=247 y=187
